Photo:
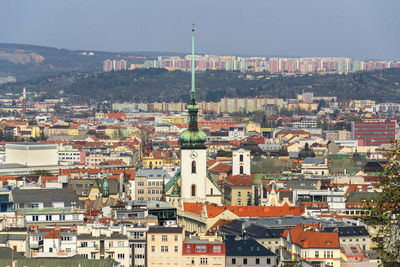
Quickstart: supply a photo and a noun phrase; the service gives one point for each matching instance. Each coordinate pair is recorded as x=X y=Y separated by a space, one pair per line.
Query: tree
x=384 y=212
x=42 y=172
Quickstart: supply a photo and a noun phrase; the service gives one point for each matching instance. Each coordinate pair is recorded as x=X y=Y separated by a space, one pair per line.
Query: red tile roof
x=240 y=180
x=243 y=211
x=307 y=237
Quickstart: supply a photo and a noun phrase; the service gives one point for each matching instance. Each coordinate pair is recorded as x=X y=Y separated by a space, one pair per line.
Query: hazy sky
x=363 y=29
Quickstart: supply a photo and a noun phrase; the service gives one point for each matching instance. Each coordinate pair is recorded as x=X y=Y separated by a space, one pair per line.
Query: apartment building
x=96 y=241
x=248 y=252
x=164 y=246
x=44 y=207
x=149 y=184
x=308 y=243
x=203 y=250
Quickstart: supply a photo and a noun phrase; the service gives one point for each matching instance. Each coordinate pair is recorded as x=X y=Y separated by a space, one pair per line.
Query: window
x=84 y=244
x=268 y=261
x=239 y=194
x=110 y=244
x=153 y=238
x=164 y=238
x=140 y=191
x=176 y=248
x=257 y=261
x=34 y=205
x=233 y=261
x=217 y=249
x=193 y=190
x=193 y=166
x=176 y=238
x=244 y=261
x=65 y=238
x=67 y=249
x=317 y=254
x=49 y=217
x=137 y=235
x=120 y=243
x=241 y=169
x=85 y=255
x=153 y=249
x=164 y=248
x=187 y=248
x=241 y=158
x=35 y=218
x=62 y=217
x=328 y=254
x=139 y=256
x=201 y=249
x=121 y=256
x=203 y=260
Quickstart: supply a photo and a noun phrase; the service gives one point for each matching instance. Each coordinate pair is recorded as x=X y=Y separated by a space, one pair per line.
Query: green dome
x=192 y=139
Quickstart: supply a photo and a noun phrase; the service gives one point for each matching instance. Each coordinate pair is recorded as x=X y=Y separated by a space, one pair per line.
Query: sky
x=361 y=29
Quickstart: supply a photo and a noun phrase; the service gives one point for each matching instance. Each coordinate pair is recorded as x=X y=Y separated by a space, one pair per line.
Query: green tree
x=384 y=212
x=42 y=172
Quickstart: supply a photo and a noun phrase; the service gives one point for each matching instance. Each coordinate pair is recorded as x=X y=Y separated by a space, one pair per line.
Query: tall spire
x=193 y=91
x=193 y=137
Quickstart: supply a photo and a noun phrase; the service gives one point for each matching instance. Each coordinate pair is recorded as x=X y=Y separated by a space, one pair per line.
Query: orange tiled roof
x=304 y=237
x=240 y=180
x=243 y=211
x=221 y=168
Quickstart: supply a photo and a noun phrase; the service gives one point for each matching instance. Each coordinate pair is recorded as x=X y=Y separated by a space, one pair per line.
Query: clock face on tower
x=193 y=155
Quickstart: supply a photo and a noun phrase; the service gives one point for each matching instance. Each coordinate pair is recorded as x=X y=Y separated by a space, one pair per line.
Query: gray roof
x=362 y=196
x=84 y=185
x=27 y=196
x=278 y=222
x=301 y=184
x=153 y=173
x=348 y=231
x=6 y=255
x=6 y=237
x=314 y=161
x=246 y=247
x=164 y=229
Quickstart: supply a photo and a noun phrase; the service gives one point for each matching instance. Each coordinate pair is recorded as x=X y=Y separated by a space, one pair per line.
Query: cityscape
x=151 y=159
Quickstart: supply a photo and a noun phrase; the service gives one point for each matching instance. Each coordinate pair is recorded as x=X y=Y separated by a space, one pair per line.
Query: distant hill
x=31 y=61
x=149 y=85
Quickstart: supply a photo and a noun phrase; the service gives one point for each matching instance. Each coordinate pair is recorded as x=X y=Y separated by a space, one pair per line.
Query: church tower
x=192 y=183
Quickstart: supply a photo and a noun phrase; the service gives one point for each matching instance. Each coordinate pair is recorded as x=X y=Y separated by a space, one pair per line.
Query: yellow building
x=164 y=246
x=159 y=159
x=175 y=119
x=303 y=106
x=238 y=190
x=253 y=127
x=73 y=131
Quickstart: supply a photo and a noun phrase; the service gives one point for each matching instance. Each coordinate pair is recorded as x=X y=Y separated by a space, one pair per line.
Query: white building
x=32 y=154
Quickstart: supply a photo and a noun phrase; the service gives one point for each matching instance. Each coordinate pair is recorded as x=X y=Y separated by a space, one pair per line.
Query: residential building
x=44 y=207
x=200 y=250
x=149 y=184
x=96 y=241
x=308 y=243
x=248 y=252
x=164 y=246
